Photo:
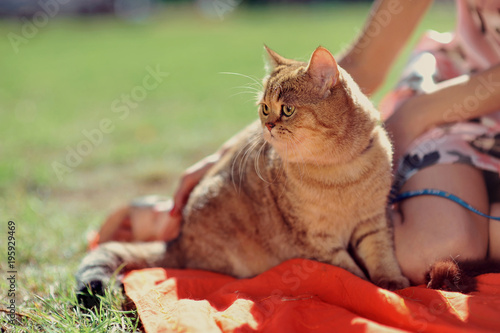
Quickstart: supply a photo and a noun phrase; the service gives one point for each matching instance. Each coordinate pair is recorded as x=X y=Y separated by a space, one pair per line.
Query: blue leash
x=442 y=194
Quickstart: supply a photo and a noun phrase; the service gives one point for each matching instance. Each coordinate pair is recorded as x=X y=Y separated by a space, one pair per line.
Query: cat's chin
x=294 y=152
x=277 y=143
x=282 y=147
x=291 y=155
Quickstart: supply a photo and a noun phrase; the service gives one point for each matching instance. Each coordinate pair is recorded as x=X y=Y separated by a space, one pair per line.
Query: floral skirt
x=475 y=142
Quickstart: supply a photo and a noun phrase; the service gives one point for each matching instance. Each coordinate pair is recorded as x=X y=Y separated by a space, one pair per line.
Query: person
x=443 y=120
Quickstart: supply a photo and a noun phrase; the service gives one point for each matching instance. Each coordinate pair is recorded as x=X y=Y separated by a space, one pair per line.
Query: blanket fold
x=304 y=296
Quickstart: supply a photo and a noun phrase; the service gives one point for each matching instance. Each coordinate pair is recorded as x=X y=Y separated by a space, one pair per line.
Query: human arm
x=459 y=99
x=385 y=33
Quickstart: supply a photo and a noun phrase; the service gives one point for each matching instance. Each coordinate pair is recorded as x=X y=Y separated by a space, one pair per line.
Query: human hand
x=144 y=219
x=117 y=226
x=190 y=178
x=152 y=217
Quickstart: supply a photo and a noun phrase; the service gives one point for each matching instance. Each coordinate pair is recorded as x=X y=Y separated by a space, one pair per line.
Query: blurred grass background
x=64 y=80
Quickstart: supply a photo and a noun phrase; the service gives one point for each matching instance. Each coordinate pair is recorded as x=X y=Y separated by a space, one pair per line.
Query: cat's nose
x=270 y=126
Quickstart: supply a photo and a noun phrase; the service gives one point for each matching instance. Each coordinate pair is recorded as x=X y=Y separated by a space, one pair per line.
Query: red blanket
x=304 y=296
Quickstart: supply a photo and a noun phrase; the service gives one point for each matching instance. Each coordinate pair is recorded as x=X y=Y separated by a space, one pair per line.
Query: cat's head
x=314 y=112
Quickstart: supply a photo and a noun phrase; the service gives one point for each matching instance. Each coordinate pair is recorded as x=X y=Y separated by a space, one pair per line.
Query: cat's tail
x=99 y=266
x=452 y=275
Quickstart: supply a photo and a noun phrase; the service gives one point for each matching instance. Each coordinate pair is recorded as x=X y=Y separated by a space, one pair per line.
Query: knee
x=465 y=244
x=468 y=237
x=415 y=262
x=420 y=243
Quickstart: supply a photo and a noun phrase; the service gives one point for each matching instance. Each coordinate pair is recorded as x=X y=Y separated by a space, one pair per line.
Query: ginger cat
x=309 y=180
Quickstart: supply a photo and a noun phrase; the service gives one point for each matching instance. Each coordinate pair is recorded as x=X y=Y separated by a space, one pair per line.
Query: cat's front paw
x=392 y=283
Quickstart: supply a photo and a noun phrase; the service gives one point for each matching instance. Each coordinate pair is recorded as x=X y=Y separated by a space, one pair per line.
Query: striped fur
x=310 y=185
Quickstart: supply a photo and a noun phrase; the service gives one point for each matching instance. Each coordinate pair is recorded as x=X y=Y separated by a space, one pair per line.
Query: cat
x=309 y=179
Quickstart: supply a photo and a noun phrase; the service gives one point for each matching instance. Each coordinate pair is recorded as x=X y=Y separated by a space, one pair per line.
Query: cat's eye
x=265 y=109
x=287 y=110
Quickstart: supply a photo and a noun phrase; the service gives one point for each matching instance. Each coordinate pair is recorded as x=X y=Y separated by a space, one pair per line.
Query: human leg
x=428 y=228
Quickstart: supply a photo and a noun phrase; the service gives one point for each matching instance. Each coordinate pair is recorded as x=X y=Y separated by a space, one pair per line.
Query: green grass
x=64 y=81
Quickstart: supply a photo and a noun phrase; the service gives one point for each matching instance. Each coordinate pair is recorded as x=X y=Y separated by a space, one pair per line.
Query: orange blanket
x=304 y=296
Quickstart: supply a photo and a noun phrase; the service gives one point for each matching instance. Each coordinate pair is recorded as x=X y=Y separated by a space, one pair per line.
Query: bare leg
x=494 y=244
x=429 y=228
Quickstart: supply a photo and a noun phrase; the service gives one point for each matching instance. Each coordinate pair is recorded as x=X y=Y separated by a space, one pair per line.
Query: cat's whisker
x=253 y=89
x=256 y=85
x=242 y=92
x=236 y=157
x=257 y=90
x=253 y=145
x=245 y=161
x=257 y=163
x=248 y=90
x=256 y=81
x=244 y=150
x=256 y=93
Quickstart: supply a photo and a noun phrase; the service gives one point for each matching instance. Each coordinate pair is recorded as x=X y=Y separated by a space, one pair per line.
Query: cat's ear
x=274 y=58
x=323 y=69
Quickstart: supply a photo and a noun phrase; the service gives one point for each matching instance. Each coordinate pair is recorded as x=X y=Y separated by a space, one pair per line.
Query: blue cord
x=443 y=194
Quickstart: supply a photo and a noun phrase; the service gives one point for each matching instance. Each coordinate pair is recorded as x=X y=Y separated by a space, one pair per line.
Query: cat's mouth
x=277 y=139
x=269 y=136
x=274 y=131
